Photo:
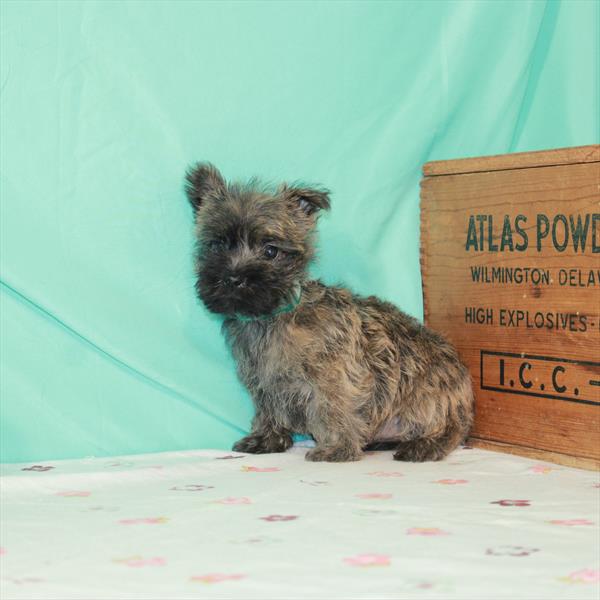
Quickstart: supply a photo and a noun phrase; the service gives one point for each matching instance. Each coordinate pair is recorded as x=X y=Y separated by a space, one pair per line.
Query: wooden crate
x=510 y=256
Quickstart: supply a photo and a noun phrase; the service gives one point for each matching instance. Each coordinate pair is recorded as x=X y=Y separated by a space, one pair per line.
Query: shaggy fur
x=350 y=371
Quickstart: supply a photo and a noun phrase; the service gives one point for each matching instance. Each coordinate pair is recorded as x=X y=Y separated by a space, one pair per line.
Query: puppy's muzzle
x=236 y=281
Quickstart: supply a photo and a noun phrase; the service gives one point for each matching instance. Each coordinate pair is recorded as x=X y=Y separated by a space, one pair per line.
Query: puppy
x=351 y=371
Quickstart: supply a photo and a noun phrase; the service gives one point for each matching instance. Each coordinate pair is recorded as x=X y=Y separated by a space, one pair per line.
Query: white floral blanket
x=215 y=524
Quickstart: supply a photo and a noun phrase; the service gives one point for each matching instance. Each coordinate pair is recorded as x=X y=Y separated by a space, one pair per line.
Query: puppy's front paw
x=339 y=454
x=257 y=443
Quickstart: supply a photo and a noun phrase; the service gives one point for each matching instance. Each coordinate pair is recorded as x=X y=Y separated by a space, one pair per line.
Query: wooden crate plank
x=517 y=160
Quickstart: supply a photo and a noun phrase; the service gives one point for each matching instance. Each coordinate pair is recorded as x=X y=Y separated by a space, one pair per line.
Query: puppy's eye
x=271 y=252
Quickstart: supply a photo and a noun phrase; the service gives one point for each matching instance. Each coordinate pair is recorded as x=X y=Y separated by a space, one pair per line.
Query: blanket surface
x=218 y=524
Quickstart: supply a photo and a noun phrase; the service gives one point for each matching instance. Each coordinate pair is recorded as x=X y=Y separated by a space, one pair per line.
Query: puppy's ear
x=309 y=199
x=203 y=180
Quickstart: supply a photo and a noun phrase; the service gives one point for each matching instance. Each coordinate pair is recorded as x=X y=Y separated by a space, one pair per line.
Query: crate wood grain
x=510 y=257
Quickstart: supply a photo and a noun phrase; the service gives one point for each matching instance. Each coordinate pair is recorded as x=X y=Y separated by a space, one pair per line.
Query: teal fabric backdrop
x=104 y=348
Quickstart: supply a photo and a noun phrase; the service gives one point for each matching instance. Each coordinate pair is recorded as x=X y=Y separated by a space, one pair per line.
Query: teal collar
x=278 y=311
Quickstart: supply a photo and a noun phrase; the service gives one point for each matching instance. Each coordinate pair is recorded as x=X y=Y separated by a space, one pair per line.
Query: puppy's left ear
x=309 y=199
x=201 y=181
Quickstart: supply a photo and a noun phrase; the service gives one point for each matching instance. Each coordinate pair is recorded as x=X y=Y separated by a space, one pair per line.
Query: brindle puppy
x=319 y=360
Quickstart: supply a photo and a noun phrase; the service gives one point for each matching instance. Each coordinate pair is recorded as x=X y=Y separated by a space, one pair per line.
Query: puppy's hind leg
x=446 y=419
x=430 y=447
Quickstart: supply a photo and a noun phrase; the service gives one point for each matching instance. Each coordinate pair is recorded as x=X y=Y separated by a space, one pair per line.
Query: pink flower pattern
x=232 y=500
x=137 y=562
x=272 y=518
x=451 y=481
x=512 y=502
x=368 y=560
x=74 y=494
x=541 y=469
x=218 y=577
x=145 y=521
x=583 y=576
x=374 y=496
x=426 y=531
x=250 y=469
x=571 y=522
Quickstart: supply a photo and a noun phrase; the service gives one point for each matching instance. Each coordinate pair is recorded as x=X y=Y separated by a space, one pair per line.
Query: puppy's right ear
x=203 y=180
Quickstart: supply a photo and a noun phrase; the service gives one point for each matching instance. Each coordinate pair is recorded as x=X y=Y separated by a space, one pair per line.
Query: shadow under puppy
x=319 y=360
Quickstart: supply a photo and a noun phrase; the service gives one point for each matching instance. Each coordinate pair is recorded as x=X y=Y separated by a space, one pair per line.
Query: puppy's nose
x=237 y=281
